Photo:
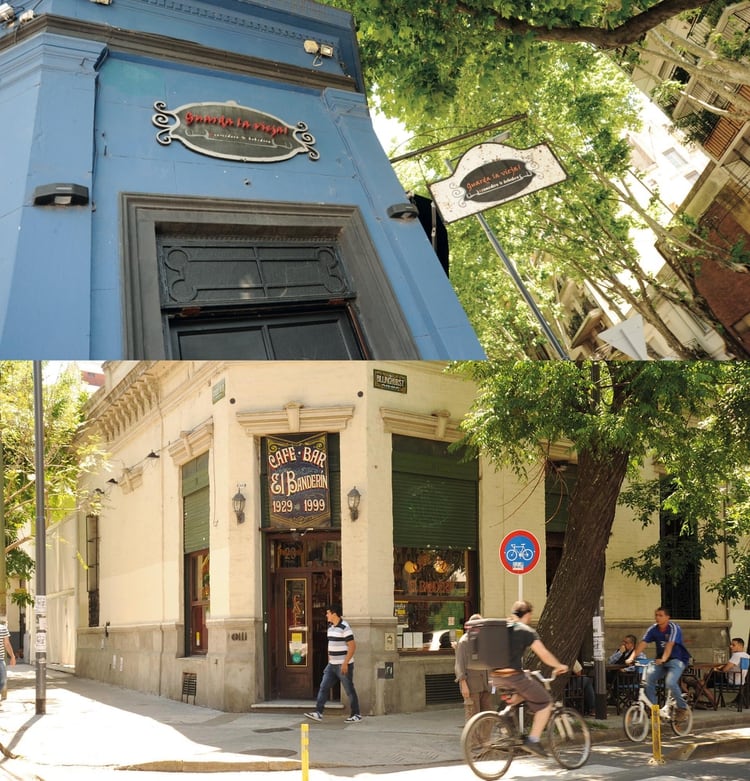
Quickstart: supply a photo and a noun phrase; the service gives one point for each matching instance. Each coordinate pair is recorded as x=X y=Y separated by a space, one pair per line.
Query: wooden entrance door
x=305 y=579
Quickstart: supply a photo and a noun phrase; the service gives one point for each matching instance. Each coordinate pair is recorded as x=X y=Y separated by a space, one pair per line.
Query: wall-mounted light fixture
x=321 y=49
x=403 y=211
x=7 y=13
x=352 y=499
x=238 y=505
x=61 y=194
x=153 y=455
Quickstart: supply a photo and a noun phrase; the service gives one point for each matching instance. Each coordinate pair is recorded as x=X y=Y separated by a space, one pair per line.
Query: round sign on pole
x=519 y=552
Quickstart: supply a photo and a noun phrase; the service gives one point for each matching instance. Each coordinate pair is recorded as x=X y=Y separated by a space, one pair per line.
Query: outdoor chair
x=732 y=682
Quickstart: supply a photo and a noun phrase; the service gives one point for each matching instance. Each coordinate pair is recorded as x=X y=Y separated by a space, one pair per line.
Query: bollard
x=657 y=758
x=305 y=750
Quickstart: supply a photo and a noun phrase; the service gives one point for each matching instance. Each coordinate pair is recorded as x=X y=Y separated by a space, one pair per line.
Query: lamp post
x=40 y=601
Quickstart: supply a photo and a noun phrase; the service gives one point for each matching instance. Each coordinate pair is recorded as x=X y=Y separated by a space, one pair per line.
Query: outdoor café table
x=622 y=686
x=696 y=677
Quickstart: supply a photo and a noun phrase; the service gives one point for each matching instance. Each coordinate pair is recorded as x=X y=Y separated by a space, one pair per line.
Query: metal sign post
x=476 y=210
x=519 y=554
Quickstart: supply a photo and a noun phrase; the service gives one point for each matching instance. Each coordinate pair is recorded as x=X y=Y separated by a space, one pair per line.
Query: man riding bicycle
x=671 y=659
x=537 y=698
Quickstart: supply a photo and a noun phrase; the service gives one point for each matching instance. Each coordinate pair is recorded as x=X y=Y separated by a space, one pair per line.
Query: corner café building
x=201 y=180
x=222 y=528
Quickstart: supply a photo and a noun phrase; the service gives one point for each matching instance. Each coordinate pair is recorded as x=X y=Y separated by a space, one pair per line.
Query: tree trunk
x=574 y=593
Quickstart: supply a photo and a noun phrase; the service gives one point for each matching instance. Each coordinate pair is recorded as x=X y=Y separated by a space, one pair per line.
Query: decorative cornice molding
x=119 y=411
x=435 y=425
x=162 y=47
x=294 y=418
x=192 y=443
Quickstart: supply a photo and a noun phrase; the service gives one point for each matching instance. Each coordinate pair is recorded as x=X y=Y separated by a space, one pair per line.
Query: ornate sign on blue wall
x=233 y=132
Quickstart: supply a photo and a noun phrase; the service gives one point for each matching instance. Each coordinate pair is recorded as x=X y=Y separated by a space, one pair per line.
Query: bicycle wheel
x=636 y=722
x=488 y=741
x=683 y=727
x=569 y=738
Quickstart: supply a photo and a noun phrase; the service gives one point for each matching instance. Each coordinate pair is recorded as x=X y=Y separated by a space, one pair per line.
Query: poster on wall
x=298 y=486
x=295 y=595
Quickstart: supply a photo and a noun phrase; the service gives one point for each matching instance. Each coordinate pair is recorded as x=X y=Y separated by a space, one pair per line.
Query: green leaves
x=64 y=457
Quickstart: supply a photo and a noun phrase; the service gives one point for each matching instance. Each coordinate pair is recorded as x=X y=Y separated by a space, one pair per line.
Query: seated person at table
x=618 y=658
x=589 y=698
x=731 y=672
x=624 y=650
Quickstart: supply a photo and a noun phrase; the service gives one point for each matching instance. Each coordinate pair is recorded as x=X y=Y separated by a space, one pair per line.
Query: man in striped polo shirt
x=340 y=667
x=6 y=651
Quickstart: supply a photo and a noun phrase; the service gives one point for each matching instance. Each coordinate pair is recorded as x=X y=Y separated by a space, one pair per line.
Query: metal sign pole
x=515 y=276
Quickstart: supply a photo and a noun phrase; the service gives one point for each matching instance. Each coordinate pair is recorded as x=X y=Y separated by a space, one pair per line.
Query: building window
x=435 y=537
x=560 y=479
x=254 y=280
x=682 y=594
x=196 y=527
x=92 y=567
x=675 y=158
x=197 y=565
x=432 y=595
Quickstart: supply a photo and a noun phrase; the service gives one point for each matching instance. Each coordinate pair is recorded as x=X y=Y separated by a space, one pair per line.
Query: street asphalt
x=89 y=724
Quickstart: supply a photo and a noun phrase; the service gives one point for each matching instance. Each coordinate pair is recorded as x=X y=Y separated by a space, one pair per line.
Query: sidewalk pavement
x=89 y=724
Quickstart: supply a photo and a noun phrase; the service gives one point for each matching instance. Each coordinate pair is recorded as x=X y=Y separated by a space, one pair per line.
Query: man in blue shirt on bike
x=671 y=659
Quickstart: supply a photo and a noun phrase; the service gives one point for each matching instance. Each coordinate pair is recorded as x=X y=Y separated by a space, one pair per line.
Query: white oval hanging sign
x=490 y=174
x=232 y=132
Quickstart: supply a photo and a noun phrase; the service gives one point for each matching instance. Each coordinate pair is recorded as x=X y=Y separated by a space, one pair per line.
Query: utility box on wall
x=224 y=195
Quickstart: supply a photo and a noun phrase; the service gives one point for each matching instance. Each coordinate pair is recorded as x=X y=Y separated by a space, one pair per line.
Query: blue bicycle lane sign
x=519 y=552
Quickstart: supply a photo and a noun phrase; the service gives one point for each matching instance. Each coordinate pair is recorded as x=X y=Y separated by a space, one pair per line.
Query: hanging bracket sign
x=232 y=132
x=491 y=174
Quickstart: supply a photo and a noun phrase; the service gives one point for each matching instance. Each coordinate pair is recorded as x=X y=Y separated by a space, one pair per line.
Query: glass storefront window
x=433 y=593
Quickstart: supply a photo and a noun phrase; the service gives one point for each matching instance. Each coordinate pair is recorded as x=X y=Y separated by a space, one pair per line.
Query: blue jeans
x=3 y=674
x=331 y=675
x=671 y=670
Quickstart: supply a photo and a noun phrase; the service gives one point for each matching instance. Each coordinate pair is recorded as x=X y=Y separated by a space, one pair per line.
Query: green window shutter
x=435 y=499
x=196 y=504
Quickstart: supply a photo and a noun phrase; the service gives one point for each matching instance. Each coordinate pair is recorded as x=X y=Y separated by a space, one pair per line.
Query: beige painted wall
x=169 y=408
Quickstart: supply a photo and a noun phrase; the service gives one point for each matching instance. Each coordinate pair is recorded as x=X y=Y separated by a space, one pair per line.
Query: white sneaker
x=354 y=717
x=314 y=715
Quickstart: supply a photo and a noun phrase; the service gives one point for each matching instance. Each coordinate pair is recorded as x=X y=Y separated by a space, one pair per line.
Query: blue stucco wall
x=82 y=113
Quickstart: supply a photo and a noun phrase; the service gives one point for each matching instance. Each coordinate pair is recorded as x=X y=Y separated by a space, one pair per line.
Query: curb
x=709 y=748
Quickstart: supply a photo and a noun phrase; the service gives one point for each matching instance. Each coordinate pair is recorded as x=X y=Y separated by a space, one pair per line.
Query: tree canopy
x=449 y=67
x=63 y=401
x=692 y=419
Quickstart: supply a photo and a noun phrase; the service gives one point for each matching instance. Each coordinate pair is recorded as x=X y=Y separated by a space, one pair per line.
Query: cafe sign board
x=232 y=132
x=491 y=174
x=298 y=487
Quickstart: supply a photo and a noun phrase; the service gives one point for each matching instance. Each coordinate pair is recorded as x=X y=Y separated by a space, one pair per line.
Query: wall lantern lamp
x=238 y=505
x=403 y=211
x=352 y=499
